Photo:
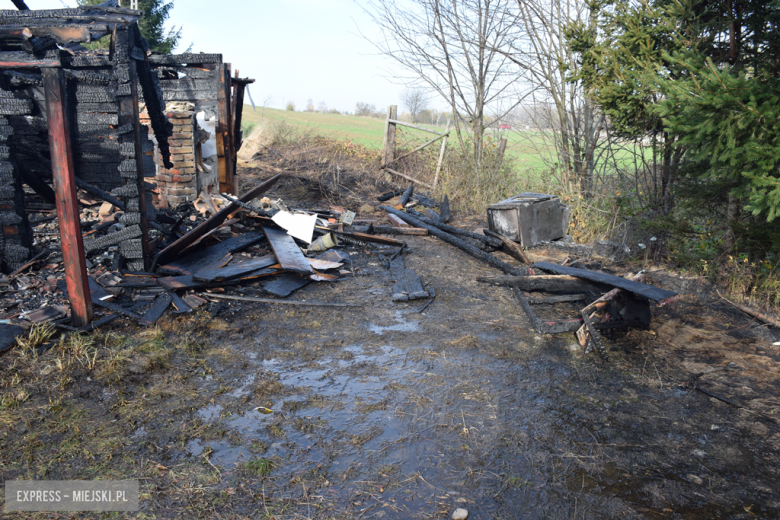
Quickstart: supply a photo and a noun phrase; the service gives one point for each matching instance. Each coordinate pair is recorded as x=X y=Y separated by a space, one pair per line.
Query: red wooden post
x=67 y=201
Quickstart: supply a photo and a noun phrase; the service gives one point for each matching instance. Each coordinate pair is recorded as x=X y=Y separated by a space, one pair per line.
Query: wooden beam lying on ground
x=389 y=230
x=558 y=299
x=460 y=244
x=511 y=248
x=492 y=242
x=752 y=312
x=548 y=283
x=235 y=270
x=648 y=291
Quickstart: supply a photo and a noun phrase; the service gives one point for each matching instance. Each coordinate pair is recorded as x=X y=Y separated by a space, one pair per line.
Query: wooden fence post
x=441 y=155
x=388 y=147
x=501 y=150
x=67 y=202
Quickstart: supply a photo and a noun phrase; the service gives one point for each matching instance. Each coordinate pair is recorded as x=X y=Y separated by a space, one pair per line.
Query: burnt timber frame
x=134 y=119
x=228 y=181
x=239 y=88
x=65 y=103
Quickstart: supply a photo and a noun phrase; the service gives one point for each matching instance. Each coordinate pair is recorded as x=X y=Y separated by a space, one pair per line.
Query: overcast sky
x=295 y=49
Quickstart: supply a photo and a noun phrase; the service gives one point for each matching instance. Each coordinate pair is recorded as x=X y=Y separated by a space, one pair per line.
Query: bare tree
x=364 y=109
x=454 y=47
x=559 y=102
x=416 y=100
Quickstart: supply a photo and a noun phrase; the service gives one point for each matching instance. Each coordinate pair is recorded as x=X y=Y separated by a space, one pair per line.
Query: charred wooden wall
x=110 y=149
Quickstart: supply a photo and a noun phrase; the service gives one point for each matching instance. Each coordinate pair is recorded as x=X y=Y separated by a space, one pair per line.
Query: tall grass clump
x=471 y=187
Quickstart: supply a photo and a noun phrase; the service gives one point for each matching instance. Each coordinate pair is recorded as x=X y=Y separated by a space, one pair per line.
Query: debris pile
x=532 y=219
x=230 y=242
x=261 y=247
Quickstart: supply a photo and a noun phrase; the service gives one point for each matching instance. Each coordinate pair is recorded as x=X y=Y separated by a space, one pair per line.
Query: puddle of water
x=223 y=454
x=401 y=326
x=245 y=384
x=210 y=412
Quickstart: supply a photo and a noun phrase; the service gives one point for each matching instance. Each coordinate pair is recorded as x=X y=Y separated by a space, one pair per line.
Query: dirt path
x=379 y=411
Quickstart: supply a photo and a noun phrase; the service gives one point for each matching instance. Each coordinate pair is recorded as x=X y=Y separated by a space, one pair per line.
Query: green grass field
x=369 y=131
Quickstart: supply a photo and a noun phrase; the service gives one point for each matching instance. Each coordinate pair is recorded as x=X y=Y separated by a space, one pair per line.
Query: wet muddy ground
x=379 y=411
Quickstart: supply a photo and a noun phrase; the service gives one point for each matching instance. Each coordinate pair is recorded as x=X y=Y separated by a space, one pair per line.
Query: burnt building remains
x=46 y=69
x=204 y=104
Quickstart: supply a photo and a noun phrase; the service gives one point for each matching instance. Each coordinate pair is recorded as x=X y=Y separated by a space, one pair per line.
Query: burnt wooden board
x=235 y=270
x=363 y=237
x=287 y=251
x=407 y=284
x=193 y=263
x=285 y=285
x=118 y=309
x=181 y=305
x=555 y=283
x=8 y=335
x=177 y=283
x=157 y=309
x=648 y=291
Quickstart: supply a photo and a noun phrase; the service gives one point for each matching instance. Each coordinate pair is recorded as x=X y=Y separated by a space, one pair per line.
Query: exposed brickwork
x=178 y=184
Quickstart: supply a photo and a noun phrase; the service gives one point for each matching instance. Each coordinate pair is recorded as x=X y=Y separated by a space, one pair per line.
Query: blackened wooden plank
x=19 y=59
x=172 y=251
x=131 y=115
x=194 y=59
x=641 y=289
x=156 y=310
x=181 y=305
x=549 y=283
x=558 y=299
x=178 y=283
x=8 y=335
x=535 y=321
x=285 y=285
x=117 y=309
x=235 y=270
x=363 y=237
x=407 y=284
x=287 y=251
x=193 y=263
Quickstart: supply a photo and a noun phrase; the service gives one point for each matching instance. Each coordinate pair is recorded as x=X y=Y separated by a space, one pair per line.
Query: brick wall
x=180 y=183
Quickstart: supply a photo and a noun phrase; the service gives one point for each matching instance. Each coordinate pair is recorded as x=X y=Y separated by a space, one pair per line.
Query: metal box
x=529 y=218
